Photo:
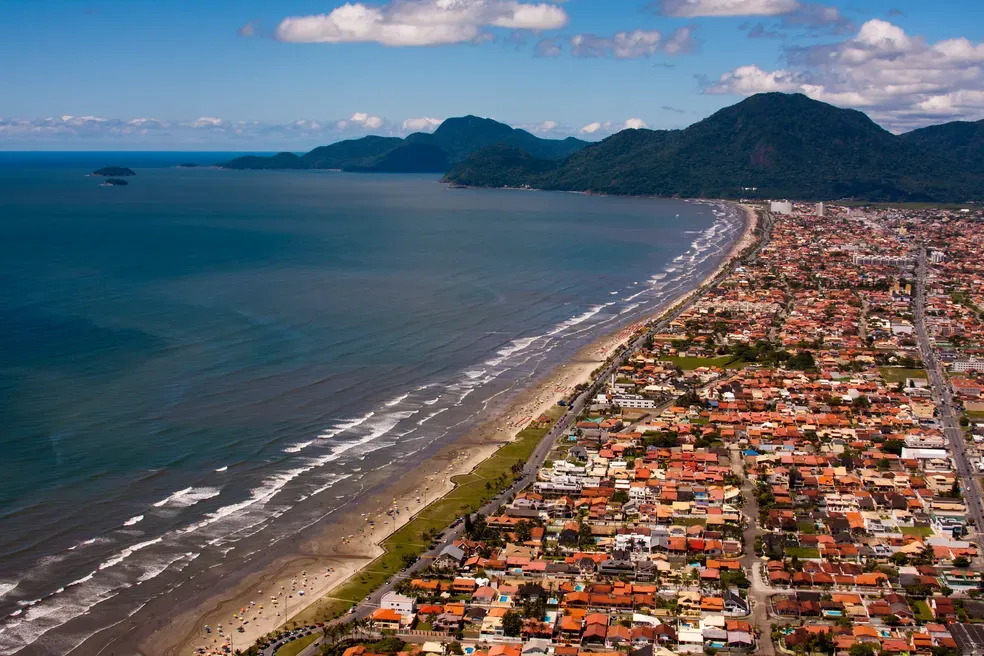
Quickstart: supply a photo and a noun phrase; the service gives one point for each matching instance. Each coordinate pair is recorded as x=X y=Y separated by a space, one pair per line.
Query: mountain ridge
x=767 y=146
x=453 y=141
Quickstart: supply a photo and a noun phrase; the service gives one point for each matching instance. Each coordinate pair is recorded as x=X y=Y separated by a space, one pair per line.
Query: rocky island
x=115 y=182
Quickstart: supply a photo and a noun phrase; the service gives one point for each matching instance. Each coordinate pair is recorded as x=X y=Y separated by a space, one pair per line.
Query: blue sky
x=247 y=74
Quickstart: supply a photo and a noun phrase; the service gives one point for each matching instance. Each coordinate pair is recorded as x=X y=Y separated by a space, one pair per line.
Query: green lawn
x=922 y=611
x=808 y=528
x=918 y=531
x=296 y=647
x=689 y=364
x=894 y=375
x=802 y=552
x=469 y=495
x=976 y=415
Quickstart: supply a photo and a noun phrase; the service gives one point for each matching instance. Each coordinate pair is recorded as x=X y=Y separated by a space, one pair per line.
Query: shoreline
x=324 y=558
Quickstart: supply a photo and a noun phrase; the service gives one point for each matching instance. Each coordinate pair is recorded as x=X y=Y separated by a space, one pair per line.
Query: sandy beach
x=332 y=552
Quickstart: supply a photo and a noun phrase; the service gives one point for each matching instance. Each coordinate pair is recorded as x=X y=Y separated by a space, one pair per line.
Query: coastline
x=330 y=553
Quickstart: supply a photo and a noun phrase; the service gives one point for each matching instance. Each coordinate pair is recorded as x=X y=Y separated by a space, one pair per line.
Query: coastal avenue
x=944 y=402
x=365 y=608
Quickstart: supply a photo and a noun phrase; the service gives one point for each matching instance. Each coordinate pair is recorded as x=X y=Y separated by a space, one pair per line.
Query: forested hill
x=454 y=140
x=768 y=146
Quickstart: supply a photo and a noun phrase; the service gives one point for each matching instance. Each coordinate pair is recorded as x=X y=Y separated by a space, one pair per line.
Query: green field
x=296 y=647
x=802 y=552
x=469 y=495
x=894 y=375
x=918 y=531
x=922 y=610
x=975 y=415
x=689 y=364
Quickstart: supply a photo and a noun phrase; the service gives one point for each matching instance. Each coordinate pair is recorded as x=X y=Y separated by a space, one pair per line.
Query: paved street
x=948 y=413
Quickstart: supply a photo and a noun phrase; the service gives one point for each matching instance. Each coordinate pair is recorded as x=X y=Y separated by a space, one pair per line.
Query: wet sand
x=335 y=549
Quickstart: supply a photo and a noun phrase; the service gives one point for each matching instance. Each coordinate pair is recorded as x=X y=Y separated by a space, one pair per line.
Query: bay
x=187 y=361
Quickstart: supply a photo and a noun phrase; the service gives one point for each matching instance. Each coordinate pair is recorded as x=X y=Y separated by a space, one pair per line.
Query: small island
x=188 y=165
x=115 y=182
x=114 y=171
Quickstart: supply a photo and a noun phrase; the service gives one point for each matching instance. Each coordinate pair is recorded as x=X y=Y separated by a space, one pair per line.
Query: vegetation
x=895 y=375
x=453 y=141
x=406 y=544
x=768 y=146
x=297 y=646
x=689 y=364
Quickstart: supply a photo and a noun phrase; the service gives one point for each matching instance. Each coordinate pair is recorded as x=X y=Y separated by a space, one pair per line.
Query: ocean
x=205 y=361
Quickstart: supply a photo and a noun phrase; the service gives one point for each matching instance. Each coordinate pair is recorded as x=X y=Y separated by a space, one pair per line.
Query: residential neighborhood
x=773 y=470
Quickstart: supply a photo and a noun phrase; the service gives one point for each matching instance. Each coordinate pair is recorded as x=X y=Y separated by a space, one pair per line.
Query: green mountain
x=353 y=152
x=454 y=140
x=959 y=139
x=278 y=161
x=769 y=145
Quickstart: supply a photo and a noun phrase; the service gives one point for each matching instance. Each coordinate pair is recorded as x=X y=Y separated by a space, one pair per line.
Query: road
x=369 y=604
x=944 y=402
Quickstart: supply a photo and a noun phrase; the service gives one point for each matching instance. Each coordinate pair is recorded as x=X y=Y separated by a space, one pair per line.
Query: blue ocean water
x=186 y=361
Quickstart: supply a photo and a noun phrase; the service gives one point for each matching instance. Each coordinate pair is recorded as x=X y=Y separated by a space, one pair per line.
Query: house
x=735 y=605
x=450 y=556
x=400 y=603
x=387 y=619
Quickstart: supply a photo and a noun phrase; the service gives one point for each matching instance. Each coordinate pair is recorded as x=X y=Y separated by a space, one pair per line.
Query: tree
x=862 y=649
x=961 y=562
x=468 y=524
x=802 y=361
x=512 y=624
x=620 y=496
x=523 y=531
x=455 y=648
x=893 y=446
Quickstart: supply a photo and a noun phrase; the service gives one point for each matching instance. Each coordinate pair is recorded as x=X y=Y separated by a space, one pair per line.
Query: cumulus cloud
x=791 y=14
x=901 y=80
x=606 y=128
x=633 y=45
x=424 y=124
x=420 y=22
x=698 y=8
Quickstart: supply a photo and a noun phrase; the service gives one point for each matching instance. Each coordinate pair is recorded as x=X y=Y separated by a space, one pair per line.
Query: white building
x=781 y=207
x=400 y=603
x=821 y=209
x=633 y=401
x=963 y=366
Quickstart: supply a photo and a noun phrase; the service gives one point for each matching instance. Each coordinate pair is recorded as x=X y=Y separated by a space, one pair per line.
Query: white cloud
x=632 y=45
x=606 y=128
x=420 y=22
x=547 y=47
x=424 y=124
x=207 y=122
x=361 y=120
x=698 y=8
x=901 y=80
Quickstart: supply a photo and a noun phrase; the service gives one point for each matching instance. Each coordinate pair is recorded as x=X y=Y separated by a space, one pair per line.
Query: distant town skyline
x=252 y=75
